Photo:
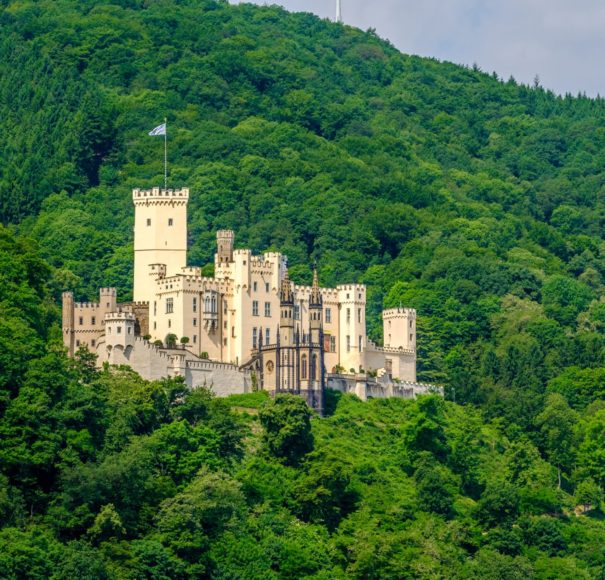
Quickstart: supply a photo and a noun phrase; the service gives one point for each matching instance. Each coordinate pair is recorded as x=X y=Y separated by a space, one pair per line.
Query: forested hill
x=476 y=201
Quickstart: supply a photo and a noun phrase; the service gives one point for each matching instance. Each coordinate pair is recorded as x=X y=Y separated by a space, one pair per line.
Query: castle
x=247 y=327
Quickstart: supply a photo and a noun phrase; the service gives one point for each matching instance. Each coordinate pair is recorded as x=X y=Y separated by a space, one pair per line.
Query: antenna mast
x=339 y=11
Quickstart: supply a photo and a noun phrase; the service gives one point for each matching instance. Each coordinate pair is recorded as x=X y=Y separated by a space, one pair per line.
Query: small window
x=225 y=325
x=254 y=338
x=93 y=342
x=267 y=336
x=155 y=326
x=411 y=338
x=109 y=330
x=411 y=324
x=255 y=308
x=255 y=286
x=108 y=305
x=195 y=322
x=119 y=330
x=170 y=222
x=348 y=315
x=360 y=343
x=77 y=343
x=155 y=308
x=267 y=287
x=81 y=320
x=267 y=308
x=328 y=315
x=348 y=296
x=348 y=343
x=195 y=305
x=129 y=330
x=169 y=323
x=224 y=342
x=359 y=315
x=169 y=305
x=332 y=344
x=93 y=320
x=148 y=222
x=297 y=312
x=194 y=339
x=233 y=332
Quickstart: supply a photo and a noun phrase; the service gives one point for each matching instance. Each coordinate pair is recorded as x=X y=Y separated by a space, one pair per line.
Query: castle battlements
x=398 y=312
x=117 y=316
x=159 y=194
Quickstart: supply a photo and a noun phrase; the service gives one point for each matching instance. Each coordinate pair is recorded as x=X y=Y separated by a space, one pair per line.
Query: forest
x=477 y=200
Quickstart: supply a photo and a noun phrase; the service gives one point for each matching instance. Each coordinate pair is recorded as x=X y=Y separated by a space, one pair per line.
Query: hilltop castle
x=247 y=327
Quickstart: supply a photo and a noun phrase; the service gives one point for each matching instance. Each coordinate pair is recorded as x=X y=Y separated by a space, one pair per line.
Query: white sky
x=561 y=41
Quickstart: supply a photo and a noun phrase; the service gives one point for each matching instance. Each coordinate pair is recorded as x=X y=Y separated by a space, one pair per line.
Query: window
x=77 y=343
x=93 y=320
x=148 y=222
x=169 y=323
x=129 y=330
x=119 y=330
x=267 y=287
x=328 y=315
x=255 y=308
x=169 y=305
x=360 y=343
x=332 y=344
x=254 y=337
x=410 y=324
x=195 y=305
x=267 y=336
x=304 y=365
x=359 y=315
x=155 y=326
x=155 y=308
x=93 y=342
x=170 y=222
x=81 y=320
x=225 y=325
x=109 y=330
x=195 y=322
x=233 y=332
x=255 y=286
x=348 y=296
x=348 y=315
x=348 y=343
x=297 y=312
x=411 y=338
x=194 y=339
x=267 y=308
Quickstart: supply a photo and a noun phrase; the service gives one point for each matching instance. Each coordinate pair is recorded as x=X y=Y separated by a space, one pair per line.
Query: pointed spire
x=285 y=294
x=315 y=299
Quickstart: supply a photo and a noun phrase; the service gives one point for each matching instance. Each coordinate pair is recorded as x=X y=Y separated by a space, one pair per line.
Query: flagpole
x=165 y=153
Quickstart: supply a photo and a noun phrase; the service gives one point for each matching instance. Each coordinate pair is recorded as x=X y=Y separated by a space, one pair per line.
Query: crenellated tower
x=160 y=236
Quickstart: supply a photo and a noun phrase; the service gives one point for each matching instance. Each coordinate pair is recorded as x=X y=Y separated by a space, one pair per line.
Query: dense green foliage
x=105 y=475
x=476 y=201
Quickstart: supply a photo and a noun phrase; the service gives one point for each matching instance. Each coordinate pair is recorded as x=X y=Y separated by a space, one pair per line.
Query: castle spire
x=285 y=294
x=315 y=299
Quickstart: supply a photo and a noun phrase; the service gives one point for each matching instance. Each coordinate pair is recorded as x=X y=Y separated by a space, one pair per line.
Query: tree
x=287 y=428
x=556 y=423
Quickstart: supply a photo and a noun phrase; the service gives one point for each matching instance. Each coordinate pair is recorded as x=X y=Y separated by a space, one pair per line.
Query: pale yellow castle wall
x=160 y=235
x=352 y=320
x=399 y=327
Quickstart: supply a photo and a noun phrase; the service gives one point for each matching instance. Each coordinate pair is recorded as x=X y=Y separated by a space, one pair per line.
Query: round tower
x=160 y=235
x=119 y=329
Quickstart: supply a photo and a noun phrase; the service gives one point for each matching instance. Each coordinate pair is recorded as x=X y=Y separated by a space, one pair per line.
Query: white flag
x=159 y=130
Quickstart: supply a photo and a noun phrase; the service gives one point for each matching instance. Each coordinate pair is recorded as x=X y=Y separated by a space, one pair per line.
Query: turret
x=119 y=329
x=315 y=311
x=68 y=321
x=224 y=246
x=286 y=318
x=400 y=328
x=108 y=299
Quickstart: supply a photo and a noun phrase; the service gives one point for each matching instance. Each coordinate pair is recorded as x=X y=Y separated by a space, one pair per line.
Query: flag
x=159 y=130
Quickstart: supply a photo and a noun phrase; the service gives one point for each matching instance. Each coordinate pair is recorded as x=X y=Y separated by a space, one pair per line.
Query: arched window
x=304 y=364
x=314 y=368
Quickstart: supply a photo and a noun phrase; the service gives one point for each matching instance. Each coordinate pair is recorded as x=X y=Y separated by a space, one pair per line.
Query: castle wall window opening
x=254 y=337
x=254 y=286
x=194 y=306
x=81 y=320
x=267 y=308
x=255 y=308
x=148 y=222
x=328 y=315
x=266 y=286
x=170 y=222
x=267 y=336
x=93 y=320
x=169 y=305
x=348 y=343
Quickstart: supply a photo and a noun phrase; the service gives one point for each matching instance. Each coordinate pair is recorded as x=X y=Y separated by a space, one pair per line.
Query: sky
x=559 y=41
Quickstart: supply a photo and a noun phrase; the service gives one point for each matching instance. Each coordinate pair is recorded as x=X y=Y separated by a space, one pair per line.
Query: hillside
x=106 y=476
x=476 y=201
